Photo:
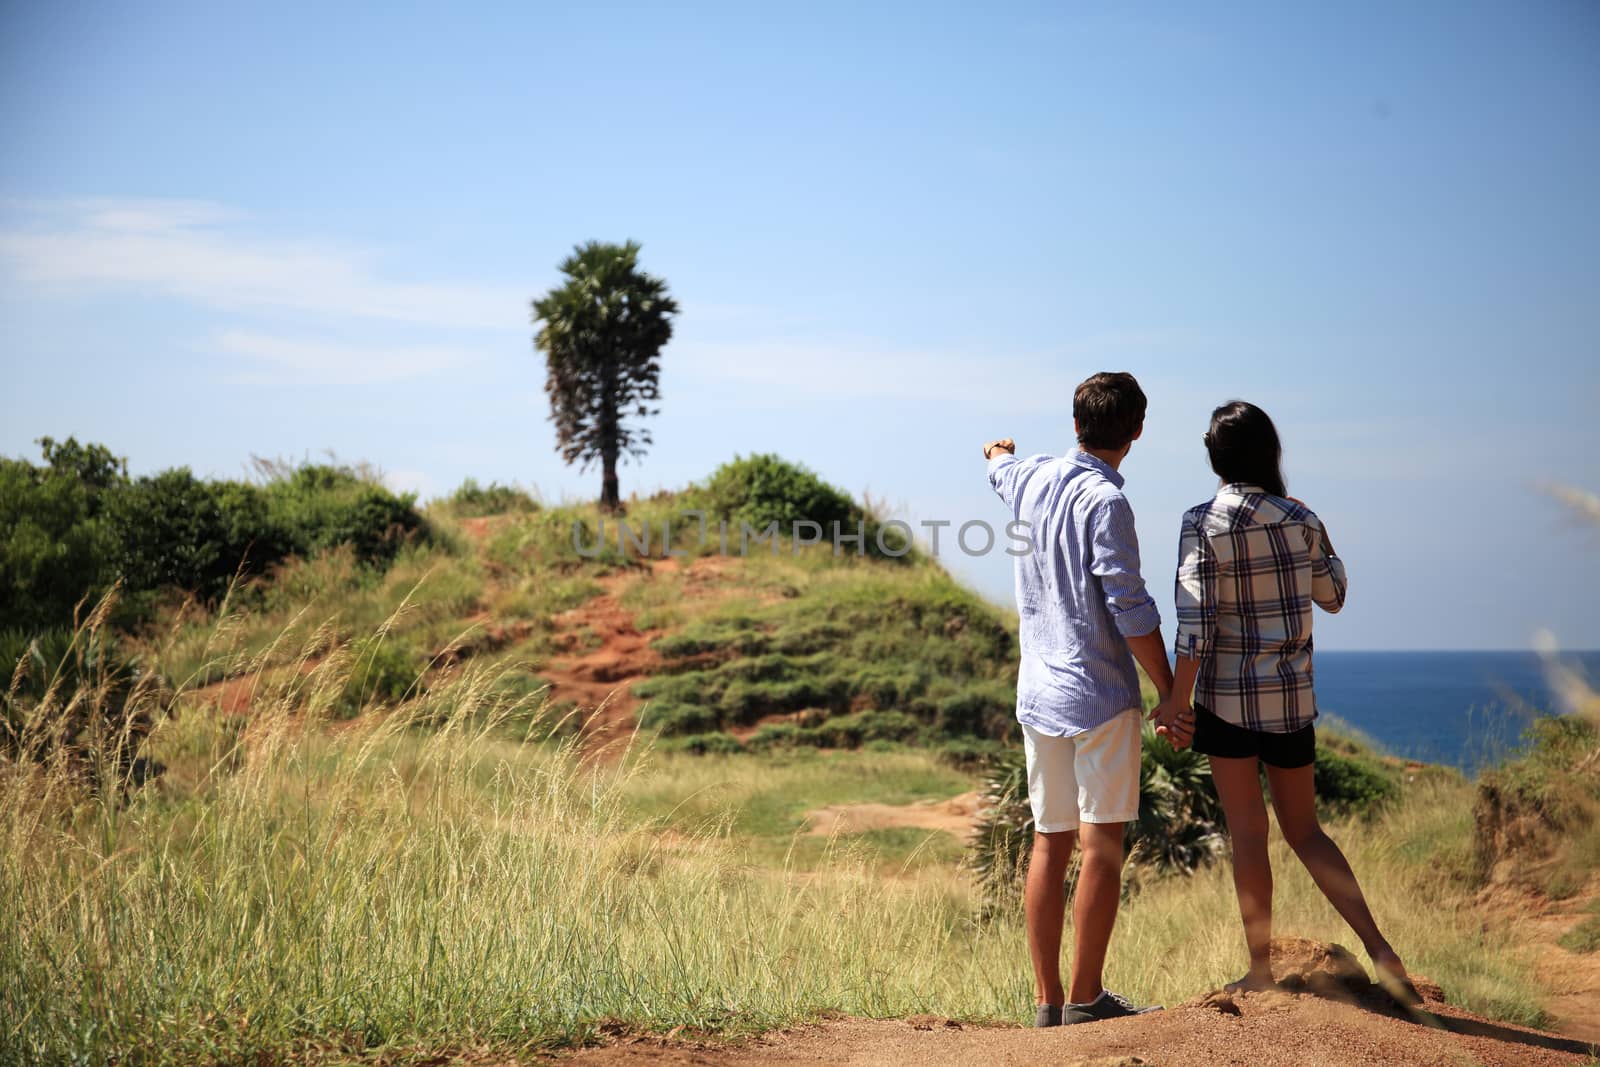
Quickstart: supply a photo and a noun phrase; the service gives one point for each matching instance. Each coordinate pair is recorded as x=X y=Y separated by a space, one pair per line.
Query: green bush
x=380 y=671
x=76 y=697
x=765 y=489
x=55 y=544
x=714 y=744
x=318 y=506
x=1351 y=783
x=1585 y=937
x=968 y=754
x=980 y=709
x=1541 y=811
x=77 y=523
x=675 y=719
x=471 y=500
x=1179 y=826
x=173 y=530
x=851 y=731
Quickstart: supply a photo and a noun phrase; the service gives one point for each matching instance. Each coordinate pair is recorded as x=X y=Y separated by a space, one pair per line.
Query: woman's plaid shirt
x=1250 y=565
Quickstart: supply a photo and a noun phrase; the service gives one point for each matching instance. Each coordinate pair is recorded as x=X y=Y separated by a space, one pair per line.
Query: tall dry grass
x=423 y=880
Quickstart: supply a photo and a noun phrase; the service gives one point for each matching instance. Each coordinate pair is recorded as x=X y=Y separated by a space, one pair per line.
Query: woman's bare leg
x=1294 y=800
x=1239 y=789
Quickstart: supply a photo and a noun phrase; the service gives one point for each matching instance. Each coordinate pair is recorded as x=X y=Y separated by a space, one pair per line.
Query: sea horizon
x=1467 y=708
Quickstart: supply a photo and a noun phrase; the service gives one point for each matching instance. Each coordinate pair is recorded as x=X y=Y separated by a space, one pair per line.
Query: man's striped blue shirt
x=1079 y=592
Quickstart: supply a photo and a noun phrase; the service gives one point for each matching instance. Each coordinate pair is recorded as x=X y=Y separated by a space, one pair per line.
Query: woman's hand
x=1174 y=719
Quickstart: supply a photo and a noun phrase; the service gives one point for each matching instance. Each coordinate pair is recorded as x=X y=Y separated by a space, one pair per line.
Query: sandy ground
x=1572 y=977
x=1326 y=1013
x=957 y=816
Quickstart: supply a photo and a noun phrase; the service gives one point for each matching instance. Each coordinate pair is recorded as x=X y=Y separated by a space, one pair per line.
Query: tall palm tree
x=601 y=333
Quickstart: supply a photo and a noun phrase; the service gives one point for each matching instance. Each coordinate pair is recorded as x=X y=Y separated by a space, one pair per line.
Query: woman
x=1251 y=563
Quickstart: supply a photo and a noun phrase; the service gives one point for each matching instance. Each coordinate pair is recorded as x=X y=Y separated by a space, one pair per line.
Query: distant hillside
x=717 y=647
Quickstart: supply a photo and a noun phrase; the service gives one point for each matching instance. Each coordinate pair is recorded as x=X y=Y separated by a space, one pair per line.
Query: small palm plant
x=1179 y=827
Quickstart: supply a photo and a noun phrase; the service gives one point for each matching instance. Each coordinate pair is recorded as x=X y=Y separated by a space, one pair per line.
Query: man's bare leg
x=1045 y=907
x=1094 y=907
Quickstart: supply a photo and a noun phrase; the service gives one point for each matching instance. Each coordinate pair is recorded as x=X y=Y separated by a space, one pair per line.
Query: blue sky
x=895 y=231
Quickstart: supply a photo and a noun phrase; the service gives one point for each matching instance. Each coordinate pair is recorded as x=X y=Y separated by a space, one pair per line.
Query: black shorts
x=1214 y=736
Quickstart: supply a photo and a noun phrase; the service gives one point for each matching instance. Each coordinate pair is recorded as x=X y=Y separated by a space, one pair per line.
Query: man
x=1085 y=618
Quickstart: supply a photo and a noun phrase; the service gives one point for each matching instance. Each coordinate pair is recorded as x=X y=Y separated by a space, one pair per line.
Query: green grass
x=385 y=887
x=763 y=800
x=1585 y=937
x=837 y=636
x=451 y=877
x=1538 y=816
x=313 y=605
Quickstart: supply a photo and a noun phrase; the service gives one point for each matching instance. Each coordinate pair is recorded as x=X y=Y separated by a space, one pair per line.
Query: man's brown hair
x=1109 y=409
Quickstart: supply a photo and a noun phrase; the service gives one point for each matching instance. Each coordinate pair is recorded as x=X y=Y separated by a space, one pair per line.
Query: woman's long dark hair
x=1243 y=445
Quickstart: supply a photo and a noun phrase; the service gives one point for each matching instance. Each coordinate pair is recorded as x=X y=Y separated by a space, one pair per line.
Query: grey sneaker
x=1107 y=1005
x=1048 y=1015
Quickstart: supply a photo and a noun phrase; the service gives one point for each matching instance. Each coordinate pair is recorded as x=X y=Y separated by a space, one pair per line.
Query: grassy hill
x=383 y=817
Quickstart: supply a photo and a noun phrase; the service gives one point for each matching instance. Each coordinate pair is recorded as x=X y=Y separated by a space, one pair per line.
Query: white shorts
x=1088 y=777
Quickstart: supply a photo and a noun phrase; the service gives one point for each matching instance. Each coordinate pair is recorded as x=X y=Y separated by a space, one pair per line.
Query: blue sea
x=1466 y=709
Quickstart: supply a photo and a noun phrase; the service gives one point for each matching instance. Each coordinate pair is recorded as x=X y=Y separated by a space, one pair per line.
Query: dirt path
x=1327 y=1013
x=1269 y=1030
x=608 y=654
x=236 y=696
x=1573 y=978
x=957 y=816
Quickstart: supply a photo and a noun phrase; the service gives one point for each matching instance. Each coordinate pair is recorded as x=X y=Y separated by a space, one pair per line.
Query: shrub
x=54 y=541
x=1585 y=937
x=978 y=710
x=1537 y=818
x=71 y=527
x=967 y=754
x=380 y=670
x=73 y=698
x=1179 y=826
x=471 y=500
x=675 y=719
x=1351 y=783
x=766 y=489
x=851 y=731
x=777 y=735
x=174 y=530
x=715 y=744
x=318 y=506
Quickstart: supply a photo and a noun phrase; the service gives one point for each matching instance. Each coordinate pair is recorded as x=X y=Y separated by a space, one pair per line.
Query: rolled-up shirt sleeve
x=1328 y=580
x=1003 y=477
x=1195 y=593
x=1114 y=559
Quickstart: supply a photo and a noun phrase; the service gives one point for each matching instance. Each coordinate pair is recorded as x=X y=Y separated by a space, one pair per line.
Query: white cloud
x=292 y=361
x=197 y=251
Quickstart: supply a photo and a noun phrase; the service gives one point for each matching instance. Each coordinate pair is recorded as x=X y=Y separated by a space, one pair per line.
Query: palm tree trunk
x=610 y=498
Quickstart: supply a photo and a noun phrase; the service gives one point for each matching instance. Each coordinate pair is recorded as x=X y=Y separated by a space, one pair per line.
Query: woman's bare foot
x=1254 y=982
x=1392 y=978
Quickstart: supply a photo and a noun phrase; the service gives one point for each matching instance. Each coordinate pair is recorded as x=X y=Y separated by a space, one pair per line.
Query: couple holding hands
x=1252 y=562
